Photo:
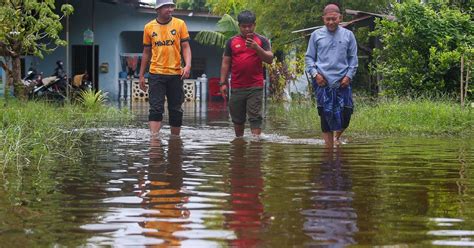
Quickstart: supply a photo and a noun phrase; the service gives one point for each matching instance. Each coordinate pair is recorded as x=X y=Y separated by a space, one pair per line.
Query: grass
x=35 y=132
x=414 y=117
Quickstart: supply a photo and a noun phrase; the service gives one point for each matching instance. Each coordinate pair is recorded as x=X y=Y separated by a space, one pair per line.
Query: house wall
x=119 y=29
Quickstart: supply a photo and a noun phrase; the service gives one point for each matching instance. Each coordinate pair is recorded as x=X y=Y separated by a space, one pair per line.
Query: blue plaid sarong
x=333 y=99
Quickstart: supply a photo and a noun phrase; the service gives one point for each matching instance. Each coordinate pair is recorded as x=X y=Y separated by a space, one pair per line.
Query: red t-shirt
x=247 y=67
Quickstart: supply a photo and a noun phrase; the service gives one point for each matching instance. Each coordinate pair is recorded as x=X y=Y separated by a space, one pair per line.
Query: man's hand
x=250 y=42
x=143 y=86
x=345 y=81
x=223 y=90
x=320 y=80
x=185 y=72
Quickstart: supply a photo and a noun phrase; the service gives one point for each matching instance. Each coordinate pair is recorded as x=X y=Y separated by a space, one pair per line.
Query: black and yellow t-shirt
x=165 y=40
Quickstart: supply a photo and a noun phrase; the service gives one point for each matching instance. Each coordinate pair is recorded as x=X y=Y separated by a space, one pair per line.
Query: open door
x=82 y=61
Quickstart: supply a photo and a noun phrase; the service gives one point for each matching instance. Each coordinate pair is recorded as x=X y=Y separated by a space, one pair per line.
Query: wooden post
x=68 y=62
x=468 y=77
x=462 y=80
x=93 y=48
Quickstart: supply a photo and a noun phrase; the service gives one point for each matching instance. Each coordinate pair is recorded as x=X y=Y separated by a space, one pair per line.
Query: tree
x=27 y=27
x=278 y=18
x=195 y=5
x=230 y=7
x=422 y=49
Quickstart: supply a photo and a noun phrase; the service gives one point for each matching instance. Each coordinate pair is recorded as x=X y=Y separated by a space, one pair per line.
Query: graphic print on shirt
x=165 y=40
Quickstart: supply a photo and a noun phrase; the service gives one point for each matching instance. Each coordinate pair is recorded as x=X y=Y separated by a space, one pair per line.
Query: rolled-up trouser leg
x=156 y=94
x=175 y=98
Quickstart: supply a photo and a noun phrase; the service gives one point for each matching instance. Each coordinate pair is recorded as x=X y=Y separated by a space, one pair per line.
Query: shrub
x=422 y=48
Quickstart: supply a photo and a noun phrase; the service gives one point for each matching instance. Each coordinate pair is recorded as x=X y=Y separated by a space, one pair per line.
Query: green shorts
x=246 y=102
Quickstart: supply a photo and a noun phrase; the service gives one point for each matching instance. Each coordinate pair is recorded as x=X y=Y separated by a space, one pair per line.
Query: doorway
x=82 y=61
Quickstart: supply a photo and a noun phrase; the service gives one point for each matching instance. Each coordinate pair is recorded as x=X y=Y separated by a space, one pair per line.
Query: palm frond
x=92 y=100
x=226 y=26
x=211 y=38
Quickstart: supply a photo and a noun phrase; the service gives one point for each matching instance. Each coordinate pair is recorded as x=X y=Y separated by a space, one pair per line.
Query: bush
x=422 y=48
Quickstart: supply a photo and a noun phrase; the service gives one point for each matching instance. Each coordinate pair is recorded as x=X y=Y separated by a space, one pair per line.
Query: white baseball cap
x=160 y=3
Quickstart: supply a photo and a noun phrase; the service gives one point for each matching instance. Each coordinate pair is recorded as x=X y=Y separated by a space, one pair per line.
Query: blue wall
x=118 y=29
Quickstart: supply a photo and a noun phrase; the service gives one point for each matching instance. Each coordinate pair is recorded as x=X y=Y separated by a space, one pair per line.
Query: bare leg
x=337 y=136
x=239 y=130
x=328 y=139
x=175 y=130
x=256 y=131
x=155 y=127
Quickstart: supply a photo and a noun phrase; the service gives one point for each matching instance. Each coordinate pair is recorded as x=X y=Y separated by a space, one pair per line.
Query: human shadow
x=331 y=221
x=246 y=186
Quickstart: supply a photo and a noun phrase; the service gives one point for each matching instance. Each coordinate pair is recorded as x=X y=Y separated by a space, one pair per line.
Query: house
x=117 y=28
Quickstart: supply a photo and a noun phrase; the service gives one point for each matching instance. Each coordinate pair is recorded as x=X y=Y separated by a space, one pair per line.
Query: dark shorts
x=171 y=87
x=346 y=119
x=245 y=103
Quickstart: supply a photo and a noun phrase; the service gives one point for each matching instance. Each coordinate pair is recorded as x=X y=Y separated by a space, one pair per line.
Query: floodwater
x=206 y=189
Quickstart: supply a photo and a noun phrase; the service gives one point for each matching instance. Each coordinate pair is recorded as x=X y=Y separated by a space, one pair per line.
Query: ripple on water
x=124 y=200
x=213 y=189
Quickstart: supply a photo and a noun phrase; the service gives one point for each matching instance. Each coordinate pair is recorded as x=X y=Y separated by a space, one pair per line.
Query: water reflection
x=162 y=192
x=331 y=220
x=246 y=187
x=202 y=191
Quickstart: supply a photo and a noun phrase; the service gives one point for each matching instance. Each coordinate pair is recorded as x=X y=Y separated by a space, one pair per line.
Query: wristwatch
x=222 y=83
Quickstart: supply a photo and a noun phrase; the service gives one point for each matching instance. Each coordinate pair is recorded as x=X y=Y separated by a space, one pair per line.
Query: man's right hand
x=320 y=80
x=143 y=86
x=223 y=90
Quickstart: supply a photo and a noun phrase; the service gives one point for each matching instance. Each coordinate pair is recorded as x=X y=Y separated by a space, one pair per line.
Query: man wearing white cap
x=164 y=38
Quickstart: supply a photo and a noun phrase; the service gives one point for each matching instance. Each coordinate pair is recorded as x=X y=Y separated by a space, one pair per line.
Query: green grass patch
x=35 y=132
x=414 y=117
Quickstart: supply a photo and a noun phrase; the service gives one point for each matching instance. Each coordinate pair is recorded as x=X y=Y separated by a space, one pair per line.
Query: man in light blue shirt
x=331 y=60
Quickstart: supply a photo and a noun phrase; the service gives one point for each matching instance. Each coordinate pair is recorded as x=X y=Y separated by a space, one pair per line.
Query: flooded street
x=207 y=189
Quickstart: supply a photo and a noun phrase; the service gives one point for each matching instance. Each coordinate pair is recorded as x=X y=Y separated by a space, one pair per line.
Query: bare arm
x=143 y=65
x=186 y=48
x=145 y=60
x=266 y=56
x=225 y=68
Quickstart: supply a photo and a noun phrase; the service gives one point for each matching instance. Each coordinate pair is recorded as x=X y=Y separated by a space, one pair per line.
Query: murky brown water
x=203 y=190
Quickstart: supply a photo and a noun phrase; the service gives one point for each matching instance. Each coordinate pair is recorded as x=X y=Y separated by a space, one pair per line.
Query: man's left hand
x=185 y=72
x=345 y=82
x=251 y=43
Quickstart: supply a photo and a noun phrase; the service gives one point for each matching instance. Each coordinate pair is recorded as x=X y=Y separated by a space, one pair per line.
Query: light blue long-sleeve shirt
x=332 y=54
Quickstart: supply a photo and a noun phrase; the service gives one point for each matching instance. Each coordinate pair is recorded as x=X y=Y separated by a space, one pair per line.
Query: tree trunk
x=19 y=90
x=6 y=68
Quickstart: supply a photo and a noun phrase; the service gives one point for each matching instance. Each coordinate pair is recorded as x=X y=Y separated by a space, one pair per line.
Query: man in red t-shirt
x=243 y=56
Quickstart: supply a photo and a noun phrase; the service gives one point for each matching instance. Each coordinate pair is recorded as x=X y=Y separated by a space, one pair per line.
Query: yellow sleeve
x=146 y=36
x=183 y=32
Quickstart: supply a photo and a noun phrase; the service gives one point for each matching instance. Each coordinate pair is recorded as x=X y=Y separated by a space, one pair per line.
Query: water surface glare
x=207 y=189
